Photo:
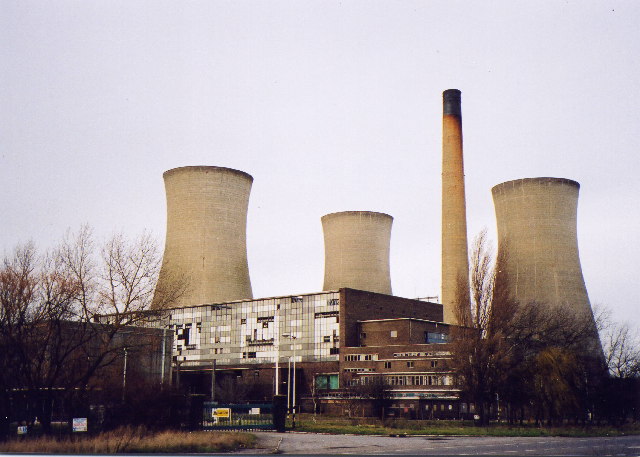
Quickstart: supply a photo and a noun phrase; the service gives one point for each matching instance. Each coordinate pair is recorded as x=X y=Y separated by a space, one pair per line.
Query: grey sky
x=330 y=106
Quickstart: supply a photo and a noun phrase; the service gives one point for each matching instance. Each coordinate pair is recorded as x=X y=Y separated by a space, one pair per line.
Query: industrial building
x=333 y=340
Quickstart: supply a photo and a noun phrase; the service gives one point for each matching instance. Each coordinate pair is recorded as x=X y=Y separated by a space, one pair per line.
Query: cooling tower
x=206 y=234
x=356 y=251
x=538 y=244
x=455 y=260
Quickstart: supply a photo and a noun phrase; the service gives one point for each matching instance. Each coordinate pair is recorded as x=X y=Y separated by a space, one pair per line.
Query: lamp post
x=293 y=395
x=124 y=374
x=276 y=325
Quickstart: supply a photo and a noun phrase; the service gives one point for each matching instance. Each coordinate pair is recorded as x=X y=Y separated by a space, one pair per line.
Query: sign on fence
x=221 y=412
x=237 y=417
x=79 y=424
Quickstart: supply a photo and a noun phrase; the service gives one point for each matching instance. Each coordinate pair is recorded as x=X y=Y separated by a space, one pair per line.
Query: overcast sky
x=330 y=106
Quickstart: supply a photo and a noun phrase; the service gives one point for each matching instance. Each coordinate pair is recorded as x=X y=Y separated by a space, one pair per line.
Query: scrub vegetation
x=133 y=440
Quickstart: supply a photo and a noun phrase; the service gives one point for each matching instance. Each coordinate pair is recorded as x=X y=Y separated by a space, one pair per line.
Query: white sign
x=79 y=424
x=22 y=430
x=254 y=411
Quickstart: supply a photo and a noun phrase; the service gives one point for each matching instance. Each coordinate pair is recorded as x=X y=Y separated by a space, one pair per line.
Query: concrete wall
x=206 y=234
x=455 y=262
x=356 y=251
x=537 y=242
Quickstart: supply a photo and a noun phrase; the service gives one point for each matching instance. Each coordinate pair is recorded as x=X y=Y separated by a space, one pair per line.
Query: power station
x=353 y=332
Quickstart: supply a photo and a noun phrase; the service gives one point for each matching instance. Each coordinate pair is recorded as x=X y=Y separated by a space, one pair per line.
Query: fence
x=237 y=417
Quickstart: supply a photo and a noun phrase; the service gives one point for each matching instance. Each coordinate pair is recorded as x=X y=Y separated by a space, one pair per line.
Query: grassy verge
x=367 y=426
x=133 y=440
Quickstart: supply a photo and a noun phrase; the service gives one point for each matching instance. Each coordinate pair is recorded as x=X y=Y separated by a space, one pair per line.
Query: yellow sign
x=222 y=412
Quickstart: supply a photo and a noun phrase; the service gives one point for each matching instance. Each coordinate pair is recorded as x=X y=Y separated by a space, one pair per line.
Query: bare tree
x=482 y=355
x=502 y=347
x=621 y=345
x=49 y=346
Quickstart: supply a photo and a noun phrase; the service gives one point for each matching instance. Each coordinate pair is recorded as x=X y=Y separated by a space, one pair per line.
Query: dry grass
x=371 y=426
x=133 y=440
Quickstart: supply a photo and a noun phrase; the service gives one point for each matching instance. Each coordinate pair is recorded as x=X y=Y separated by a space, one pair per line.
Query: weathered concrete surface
x=356 y=251
x=455 y=261
x=306 y=443
x=206 y=233
x=538 y=243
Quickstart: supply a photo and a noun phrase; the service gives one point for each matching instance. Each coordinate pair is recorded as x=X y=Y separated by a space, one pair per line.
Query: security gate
x=256 y=416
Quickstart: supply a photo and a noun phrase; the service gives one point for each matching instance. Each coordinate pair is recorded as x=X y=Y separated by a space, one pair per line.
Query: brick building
x=338 y=339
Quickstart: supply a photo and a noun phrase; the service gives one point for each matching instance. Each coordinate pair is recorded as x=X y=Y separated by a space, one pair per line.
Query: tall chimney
x=455 y=260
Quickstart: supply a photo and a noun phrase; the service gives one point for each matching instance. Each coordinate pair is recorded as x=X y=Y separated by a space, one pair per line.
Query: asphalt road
x=310 y=443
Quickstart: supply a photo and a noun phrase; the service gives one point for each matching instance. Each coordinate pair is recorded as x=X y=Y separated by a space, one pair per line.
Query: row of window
x=422 y=354
x=360 y=357
x=410 y=380
x=429 y=337
x=410 y=364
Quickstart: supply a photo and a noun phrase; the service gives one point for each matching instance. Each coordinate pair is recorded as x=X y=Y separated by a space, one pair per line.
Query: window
x=368 y=357
x=333 y=302
x=248 y=355
x=265 y=325
x=387 y=364
x=434 y=364
x=394 y=334
x=363 y=335
x=436 y=338
x=324 y=381
x=326 y=339
x=410 y=364
x=243 y=321
x=334 y=351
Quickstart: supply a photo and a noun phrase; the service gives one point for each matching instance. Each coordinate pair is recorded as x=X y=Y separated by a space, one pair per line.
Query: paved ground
x=309 y=443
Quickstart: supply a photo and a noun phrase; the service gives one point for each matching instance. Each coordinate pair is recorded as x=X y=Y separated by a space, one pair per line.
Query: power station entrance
x=256 y=416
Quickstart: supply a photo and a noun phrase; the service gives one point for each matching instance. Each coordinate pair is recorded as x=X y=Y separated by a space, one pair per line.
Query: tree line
x=53 y=350
x=539 y=361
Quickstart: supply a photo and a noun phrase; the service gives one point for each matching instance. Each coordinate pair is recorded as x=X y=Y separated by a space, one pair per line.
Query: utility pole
x=213 y=380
